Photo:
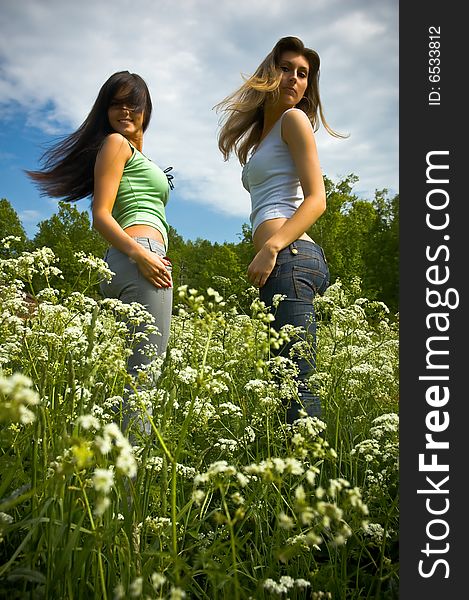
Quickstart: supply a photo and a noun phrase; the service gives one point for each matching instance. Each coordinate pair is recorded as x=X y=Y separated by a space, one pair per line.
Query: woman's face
x=295 y=69
x=123 y=117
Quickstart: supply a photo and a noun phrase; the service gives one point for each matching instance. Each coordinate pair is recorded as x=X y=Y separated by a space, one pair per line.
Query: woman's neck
x=272 y=114
x=136 y=141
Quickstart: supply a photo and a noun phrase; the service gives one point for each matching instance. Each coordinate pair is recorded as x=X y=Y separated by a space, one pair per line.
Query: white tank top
x=271 y=178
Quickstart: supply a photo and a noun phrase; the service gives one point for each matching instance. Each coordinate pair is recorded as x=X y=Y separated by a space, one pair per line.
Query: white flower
x=119 y=592
x=285 y=521
x=88 y=422
x=177 y=593
x=103 y=480
x=135 y=588
x=16 y=396
x=104 y=444
x=102 y=504
x=198 y=496
x=277 y=298
x=126 y=463
x=157 y=581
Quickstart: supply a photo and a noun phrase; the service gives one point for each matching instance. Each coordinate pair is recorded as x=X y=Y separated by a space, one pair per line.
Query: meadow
x=222 y=499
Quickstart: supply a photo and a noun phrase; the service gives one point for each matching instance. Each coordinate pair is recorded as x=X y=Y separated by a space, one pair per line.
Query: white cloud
x=29 y=216
x=56 y=54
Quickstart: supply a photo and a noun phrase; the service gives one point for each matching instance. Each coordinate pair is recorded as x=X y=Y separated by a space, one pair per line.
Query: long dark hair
x=68 y=166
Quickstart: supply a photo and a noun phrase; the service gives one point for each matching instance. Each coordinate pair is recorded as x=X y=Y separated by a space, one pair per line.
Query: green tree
x=176 y=249
x=361 y=238
x=67 y=232
x=10 y=224
x=383 y=272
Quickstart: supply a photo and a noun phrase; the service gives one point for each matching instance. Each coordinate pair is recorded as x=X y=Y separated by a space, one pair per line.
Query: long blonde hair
x=243 y=111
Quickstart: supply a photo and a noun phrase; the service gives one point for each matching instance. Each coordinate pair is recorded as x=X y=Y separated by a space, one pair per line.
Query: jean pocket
x=307 y=282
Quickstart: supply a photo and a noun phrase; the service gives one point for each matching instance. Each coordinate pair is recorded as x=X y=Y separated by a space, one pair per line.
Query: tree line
x=360 y=238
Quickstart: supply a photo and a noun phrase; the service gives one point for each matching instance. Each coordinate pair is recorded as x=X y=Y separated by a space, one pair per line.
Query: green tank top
x=142 y=195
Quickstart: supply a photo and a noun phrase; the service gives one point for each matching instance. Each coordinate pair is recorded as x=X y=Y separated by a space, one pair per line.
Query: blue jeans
x=300 y=273
x=129 y=285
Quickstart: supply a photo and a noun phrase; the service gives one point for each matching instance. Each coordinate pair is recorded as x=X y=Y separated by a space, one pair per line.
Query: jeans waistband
x=300 y=247
x=151 y=244
x=146 y=242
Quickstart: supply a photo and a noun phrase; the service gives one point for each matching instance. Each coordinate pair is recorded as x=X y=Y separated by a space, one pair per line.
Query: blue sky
x=55 y=55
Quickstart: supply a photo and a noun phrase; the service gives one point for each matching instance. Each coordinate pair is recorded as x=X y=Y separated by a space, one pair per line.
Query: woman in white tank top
x=269 y=124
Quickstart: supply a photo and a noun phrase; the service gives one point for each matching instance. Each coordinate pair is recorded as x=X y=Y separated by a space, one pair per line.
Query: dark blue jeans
x=300 y=273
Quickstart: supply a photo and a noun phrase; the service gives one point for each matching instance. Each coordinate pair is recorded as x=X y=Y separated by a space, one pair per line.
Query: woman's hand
x=262 y=266
x=154 y=268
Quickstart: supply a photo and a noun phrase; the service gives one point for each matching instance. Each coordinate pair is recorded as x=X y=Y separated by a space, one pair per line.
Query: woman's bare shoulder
x=295 y=122
x=115 y=144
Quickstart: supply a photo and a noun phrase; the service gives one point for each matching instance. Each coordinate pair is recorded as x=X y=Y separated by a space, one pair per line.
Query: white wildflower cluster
x=88 y=422
x=327 y=514
x=193 y=300
x=154 y=463
x=285 y=521
x=215 y=381
x=113 y=436
x=77 y=302
x=219 y=470
x=176 y=593
x=284 y=585
x=111 y=404
x=274 y=468
x=157 y=580
x=358 y=348
x=16 y=399
x=29 y=264
x=218 y=473
x=133 y=313
x=103 y=482
x=376 y=533
x=198 y=496
x=187 y=375
x=386 y=425
x=305 y=541
x=5 y=521
x=277 y=298
x=95 y=265
x=230 y=410
x=185 y=471
x=307 y=441
x=136 y=587
x=215 y=296
x=249 y=434
x=177 y=356
x=48 y=295
x=119 y=592
x=268 y=395
x=157 y=525
x=381 y=454
x=110 y=443
x=202 y=411
x=258 y=386
x=8 y=240
x=227 y=445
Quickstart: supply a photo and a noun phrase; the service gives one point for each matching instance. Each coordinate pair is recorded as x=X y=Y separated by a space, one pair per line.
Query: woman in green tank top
x=103 y=159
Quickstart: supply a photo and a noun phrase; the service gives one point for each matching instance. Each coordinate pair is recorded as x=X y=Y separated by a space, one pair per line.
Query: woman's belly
x=144 y=231
x=267 y=229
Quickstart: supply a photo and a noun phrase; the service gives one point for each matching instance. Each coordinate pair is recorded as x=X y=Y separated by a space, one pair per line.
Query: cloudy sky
x=56 y=54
